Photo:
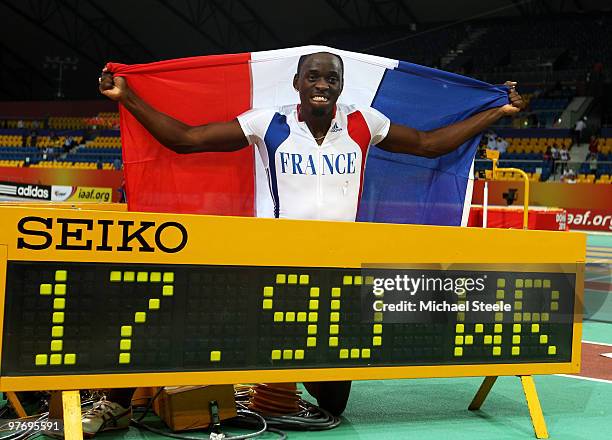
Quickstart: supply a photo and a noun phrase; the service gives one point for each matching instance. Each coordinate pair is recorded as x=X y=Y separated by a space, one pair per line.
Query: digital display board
x=109 y=318
x=98 y=299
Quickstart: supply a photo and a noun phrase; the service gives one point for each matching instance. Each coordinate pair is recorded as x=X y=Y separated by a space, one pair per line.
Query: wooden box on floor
x=188 y=407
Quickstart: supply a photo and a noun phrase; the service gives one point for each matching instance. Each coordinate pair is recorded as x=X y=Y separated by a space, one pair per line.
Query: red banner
x=587 y=204
x=589 y=219
x=544 y=219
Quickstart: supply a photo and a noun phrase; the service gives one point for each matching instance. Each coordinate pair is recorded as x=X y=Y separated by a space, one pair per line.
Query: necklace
x=319 y=138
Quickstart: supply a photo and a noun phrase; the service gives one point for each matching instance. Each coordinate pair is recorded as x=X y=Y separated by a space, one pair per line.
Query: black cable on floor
x=241 y=414
x=309 y=418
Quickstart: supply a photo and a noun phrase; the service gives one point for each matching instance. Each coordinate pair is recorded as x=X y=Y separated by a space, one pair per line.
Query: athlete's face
x=319 y=83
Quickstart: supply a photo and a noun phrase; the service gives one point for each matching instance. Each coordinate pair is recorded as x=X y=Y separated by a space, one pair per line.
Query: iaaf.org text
x=413 y=285
x=588 y=220
x=93 y=194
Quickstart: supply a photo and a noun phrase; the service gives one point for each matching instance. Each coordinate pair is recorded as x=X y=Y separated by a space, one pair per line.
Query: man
x=302 y=141
x=593 y=147
x=502 y=145
x=578 y=129
x=564 y=157
x=555 y=156
x=314 y=154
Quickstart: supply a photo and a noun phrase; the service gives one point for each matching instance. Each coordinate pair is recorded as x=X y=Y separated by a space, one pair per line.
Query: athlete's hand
x=112 y=87
x=516 y=101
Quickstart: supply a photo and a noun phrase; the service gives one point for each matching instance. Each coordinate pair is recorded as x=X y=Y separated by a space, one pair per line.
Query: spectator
x=564 y=158
x=547 y=156
x=555 y=156
x=47 y=152
x=33 y=138
x=491 y=141
x=569 y=176
x=481 y=153
x=593 y=147
x=54 y=139
x=579 y=129
x=502 y=144
x=592 y=163
x=68 y=144
x=25 y=140
x=122 y=193
x=20 y=124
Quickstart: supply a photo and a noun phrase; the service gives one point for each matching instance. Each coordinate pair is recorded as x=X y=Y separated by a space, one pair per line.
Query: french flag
x=397 y=188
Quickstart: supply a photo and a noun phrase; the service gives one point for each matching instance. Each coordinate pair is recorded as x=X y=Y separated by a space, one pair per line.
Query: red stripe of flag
x=360 y=132
x=196 y=91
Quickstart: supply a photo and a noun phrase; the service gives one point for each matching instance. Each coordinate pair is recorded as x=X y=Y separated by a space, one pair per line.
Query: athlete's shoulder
x=368 y=118
x=257 y=121
x=371 y=114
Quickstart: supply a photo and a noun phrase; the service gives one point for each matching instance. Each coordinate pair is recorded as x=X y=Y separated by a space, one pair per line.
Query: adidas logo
x=335 y=128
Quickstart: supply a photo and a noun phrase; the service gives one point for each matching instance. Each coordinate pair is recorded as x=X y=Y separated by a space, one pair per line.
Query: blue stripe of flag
x=402 y=188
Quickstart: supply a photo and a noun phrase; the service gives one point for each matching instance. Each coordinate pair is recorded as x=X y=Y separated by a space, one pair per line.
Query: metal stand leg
x=533 y=403
x=16 y=404
x=482 y=393
x=73 y=428
x=535 y=410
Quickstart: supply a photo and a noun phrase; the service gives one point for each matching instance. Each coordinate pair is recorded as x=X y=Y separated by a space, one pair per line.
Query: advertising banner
x=588 y=205
x=590 y=219
x=24 y=191
x=61 y=177
x=12 y=191
x=81 y=194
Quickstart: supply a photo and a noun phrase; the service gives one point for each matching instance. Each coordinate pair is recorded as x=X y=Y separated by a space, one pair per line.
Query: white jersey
x=307 y=180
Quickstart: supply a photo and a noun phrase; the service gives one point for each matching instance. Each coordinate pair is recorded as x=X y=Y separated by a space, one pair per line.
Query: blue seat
x=584 y=168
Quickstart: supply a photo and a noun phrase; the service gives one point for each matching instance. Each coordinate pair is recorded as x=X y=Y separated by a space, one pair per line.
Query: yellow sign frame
x=246 y=241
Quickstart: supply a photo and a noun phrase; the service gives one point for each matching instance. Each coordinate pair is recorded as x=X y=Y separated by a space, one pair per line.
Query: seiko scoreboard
x=109 y=299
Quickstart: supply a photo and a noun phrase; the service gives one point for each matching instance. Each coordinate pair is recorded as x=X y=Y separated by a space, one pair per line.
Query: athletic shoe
x=105 y=416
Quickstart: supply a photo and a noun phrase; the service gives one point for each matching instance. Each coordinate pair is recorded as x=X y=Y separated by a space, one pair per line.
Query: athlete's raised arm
x=434 y=143
x=172 y=133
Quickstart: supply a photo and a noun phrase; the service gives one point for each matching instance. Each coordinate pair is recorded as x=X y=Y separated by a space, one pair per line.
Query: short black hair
x=303 y=58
